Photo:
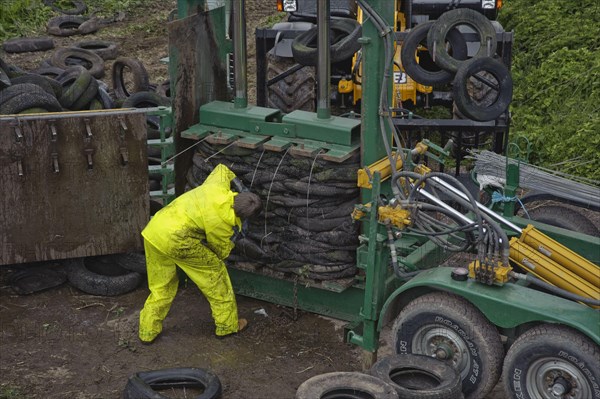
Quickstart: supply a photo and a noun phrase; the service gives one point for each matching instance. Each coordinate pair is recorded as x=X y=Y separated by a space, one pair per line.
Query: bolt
x=257 y=129
x=286 y=130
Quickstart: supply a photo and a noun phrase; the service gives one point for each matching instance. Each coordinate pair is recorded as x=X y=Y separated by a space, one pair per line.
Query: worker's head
x=247 y=205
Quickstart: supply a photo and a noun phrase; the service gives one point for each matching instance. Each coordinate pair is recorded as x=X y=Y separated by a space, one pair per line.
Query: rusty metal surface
x=54 y=204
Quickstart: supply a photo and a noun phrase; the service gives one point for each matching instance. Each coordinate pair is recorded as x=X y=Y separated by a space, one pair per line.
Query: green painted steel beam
x=336 y=130
x=508 y=306
x=344 y=305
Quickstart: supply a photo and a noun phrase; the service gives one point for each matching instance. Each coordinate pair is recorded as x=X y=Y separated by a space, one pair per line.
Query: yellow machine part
x=561 y=254
x=550 y=271
x=501 y=273
x=383 y=166
x=396 y=216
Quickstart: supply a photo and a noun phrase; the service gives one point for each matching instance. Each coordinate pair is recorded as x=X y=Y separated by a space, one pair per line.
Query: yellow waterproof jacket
x=203 y=215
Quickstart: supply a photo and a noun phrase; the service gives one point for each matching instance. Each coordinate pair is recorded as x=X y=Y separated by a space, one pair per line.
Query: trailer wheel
x=100 y=275
x=419 y=377
x=565 y=218
x=415 y=70
x=345 y=385
x=552 y=361
x=438 y=35
x=296 y=91
x=496 y=75
x=448 y=327
x=145 y=384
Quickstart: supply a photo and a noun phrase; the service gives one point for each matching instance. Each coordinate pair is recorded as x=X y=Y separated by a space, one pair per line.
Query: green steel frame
x=376 y=295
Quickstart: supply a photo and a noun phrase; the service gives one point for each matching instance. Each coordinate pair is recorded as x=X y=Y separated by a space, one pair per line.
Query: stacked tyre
x=470 y=77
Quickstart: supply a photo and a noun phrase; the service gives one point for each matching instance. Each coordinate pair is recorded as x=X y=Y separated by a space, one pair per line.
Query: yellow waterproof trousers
x=206 y=270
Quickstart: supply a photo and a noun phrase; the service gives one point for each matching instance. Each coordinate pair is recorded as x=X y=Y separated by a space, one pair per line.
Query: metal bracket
x=89 y=152
x=88 y=129
x=18 y=132
x=55 y=166
x=20 y=170
x=123 y=128
x=54 y=146
x=124 y=155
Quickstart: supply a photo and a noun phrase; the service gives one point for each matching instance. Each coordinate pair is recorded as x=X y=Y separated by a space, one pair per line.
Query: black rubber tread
x=419 y=377
x=4 y=79
x=12 y=71
x=155 y=206
x=105 y=49
x=51 y=72
x=417 y=37
x=437 y=36
x=88 y=95
x=134 y=261
x=28 y=44
x=345 y=33
x=115 y=281
x=95 y=105
x=473 y=108
x=479 y=335
x=26 y=101
x=50 y=86
x=296 y=91
x=90 y=26
x=75 y=82
x=146 y=99
x=78 y=8
x=552 y=342
x=565 y=218
x=60 y=56
x=65 y=25
x=18 y=89
x=345 y=385
x=144 y=384
x=104 y=98
x=140 y=77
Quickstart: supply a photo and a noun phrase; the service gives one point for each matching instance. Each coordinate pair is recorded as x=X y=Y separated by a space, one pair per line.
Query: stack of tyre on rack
x=306 y=229
x=394 y=377
x=70 y=79
x=481 y=84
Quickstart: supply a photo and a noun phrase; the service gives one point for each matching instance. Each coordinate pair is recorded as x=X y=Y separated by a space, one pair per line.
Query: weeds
x=10 y=392
x=22 y=18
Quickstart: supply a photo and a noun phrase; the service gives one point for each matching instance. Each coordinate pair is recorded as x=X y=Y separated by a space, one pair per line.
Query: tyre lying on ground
x=28 y=44
x=146 y=384
x=345 y=385
x=102 y=275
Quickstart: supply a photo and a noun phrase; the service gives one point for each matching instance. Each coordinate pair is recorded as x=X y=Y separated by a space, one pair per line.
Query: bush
x=22 y=18
x=557 y=92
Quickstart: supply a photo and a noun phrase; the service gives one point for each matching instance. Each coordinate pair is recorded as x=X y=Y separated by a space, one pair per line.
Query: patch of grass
x=22 y=18
x=271 y=20
x=10 y=392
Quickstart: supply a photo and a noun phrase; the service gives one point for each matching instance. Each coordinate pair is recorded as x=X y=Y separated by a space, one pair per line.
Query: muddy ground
x=62 y=343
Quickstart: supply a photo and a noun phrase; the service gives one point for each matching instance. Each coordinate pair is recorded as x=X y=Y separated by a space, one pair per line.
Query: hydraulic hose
x=558 y=291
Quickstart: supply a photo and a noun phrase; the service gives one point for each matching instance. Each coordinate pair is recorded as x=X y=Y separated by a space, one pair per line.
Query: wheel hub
x=444 y=344
x=553 y=378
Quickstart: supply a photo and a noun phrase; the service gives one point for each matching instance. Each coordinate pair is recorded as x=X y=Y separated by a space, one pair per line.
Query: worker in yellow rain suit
x=195 y=233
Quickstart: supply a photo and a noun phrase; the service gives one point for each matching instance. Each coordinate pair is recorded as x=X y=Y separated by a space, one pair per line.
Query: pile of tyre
x=394 y=377
x=305 y=228
x=472 y=78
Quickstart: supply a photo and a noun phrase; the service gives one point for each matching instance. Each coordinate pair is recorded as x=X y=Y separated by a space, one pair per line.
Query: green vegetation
x=22 y=18
x=556 y=59
x=10 y=392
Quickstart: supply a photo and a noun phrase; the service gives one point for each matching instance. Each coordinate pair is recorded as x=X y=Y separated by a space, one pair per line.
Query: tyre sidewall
x=413 y=322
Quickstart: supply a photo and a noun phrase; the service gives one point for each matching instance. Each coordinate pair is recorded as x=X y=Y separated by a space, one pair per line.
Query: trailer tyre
x=416 y=37
x=448 y=327
x=552 y=358
x=296 y=91
x=439 y=33
x=101 y=275
x=144 y=385
x=345 y=33
x=419 y=377
x=345 y=385
x=495 y=72
x=565 y=218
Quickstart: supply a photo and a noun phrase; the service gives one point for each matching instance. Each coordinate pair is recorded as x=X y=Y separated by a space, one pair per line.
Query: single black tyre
x=104 y=98
x=78 y=7
x=145 y=384
x=552 y=361
x=78 y=85
x=417 y=37
x=106 y=50
x=29 y=44
x=100 y=275
x=65 y=25
x=51 y=72
x=128 y=76
x=345 y=385
x=565 y=218
x=345 y=33
x=439 y=32
x=18 y=89
x=63 y=57
x=50 y=86
x=296 y=91
x=448 y=327
x=146 y=99
x=497 y=76
x=26 y=101
x=419 y=377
